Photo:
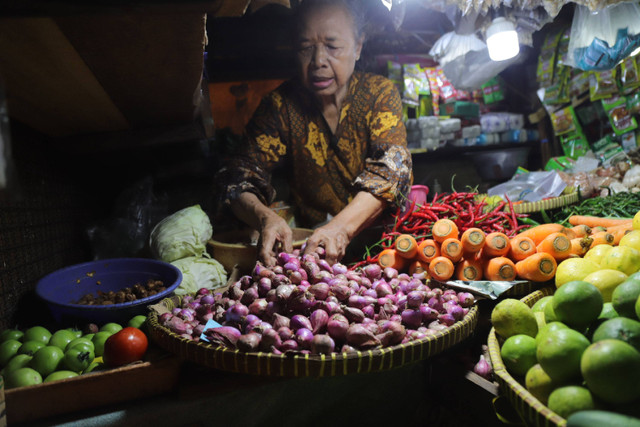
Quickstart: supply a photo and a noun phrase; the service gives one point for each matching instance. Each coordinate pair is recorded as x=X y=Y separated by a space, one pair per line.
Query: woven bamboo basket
x=546 y=204
x=532 y=411
x=300 y=365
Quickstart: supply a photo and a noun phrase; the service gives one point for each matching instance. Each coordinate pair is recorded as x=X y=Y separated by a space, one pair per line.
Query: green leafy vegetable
x=199 y=272
x=182 y=234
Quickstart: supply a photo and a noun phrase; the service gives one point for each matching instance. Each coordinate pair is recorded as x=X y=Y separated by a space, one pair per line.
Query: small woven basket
x=532 y=411
x=301 y=365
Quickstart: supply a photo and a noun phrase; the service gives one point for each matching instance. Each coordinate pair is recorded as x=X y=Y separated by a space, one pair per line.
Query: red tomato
x=126 y=346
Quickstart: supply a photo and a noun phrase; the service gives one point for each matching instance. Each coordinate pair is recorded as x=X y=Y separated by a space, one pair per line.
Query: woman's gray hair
x=353 y=7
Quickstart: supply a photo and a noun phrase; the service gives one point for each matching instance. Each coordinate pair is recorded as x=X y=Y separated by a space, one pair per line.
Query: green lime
x=11 y=334
x=559 y=353
x=519 y=354
x=577 y=304
x=624 y=298
x=611 y=369
x=566 y=400
x=538 y=383
x=539 y=305
x=513 y=317
x=552 y=326
x=620 y=328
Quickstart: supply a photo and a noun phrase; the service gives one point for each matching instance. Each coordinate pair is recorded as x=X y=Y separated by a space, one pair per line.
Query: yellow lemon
x=631 y=239
x=597 y=252
x=606 y=280
x=622 y=258
x=636 y=221
x=574 y=269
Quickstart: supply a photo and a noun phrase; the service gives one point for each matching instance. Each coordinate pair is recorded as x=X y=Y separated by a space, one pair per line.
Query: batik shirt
x=368 y=152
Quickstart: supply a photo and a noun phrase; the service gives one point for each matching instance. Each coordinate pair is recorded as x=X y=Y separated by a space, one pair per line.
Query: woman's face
x=328 y=51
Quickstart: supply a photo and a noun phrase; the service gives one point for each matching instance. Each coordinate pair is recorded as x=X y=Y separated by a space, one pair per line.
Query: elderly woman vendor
x=339 y=134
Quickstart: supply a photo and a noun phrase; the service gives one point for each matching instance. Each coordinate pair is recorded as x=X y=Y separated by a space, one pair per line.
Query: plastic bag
x=125 y=233
x=530 y=187
x=472 y=70
x=601 y=39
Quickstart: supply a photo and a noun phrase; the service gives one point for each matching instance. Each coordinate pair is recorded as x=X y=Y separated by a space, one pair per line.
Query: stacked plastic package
x=431 y=132
x=503 y=127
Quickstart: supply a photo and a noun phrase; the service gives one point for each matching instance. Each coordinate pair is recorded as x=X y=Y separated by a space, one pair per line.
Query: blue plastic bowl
x=63 y=287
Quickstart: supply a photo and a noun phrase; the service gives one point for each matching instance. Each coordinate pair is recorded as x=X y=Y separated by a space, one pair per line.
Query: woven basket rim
x=417 y=346
x=521 y=395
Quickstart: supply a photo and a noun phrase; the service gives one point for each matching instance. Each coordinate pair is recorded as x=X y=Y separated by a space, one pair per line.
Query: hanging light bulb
x=502 y=39
x=387 y=4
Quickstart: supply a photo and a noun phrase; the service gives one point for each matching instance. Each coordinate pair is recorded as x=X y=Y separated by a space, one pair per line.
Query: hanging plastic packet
x=619 y=117
x=547 y=59
x=608 y=152
x=411 y=77
x=432 y=77
x=447 y=91
x=574 y=145
x=558 y=92
x=602 y=84
x=579 y=83
x=563 y=48
x=565 y=121
x=629 y=78
x=633 y=104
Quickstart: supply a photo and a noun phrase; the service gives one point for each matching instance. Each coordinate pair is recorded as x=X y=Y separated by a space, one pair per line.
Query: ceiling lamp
x=502 y=39
x=387 y=4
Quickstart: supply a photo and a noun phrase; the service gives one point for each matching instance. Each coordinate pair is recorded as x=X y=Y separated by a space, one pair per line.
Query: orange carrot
x=617 y=233
x=472 y=240
x=428 y=249
x=557 y=244
x=594 y=221
x=581 y=230
x=496 y=244
x=468 y=269
x=602 y=237
x=520 y=247
x=417 y=266
x=499 y=268
x=539 y=267
x=539 y=232
x=390 y=258
x=452 y=249
x=441 y=268
x=444 y=228
x=406 y=246
x=580 y=245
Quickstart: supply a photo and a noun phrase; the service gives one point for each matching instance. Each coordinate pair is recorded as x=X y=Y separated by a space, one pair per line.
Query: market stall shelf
x=532 y=411
x=305 y=365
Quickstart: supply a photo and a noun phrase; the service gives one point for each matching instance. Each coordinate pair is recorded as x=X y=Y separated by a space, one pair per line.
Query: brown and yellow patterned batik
x=368 y=151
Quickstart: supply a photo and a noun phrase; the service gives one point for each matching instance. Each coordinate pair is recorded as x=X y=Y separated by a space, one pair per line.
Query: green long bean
x=618 y=205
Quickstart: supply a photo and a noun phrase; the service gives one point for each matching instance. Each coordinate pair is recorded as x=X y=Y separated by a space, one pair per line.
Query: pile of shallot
x=303 y=304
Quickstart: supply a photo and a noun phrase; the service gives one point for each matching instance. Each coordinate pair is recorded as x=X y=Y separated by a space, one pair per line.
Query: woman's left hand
x=333 y=237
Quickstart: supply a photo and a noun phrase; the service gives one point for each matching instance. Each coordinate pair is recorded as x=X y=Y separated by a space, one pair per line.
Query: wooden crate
x=156 y=375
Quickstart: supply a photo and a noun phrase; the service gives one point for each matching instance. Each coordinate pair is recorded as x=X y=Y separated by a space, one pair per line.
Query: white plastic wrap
x=601 y=39
x=530 y=187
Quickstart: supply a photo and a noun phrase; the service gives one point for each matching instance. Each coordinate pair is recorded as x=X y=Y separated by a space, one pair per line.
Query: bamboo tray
x=532 y=411
x=299 y=365
x=546 y=204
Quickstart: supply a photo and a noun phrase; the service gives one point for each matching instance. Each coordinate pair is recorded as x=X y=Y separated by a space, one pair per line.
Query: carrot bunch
x=470 y=255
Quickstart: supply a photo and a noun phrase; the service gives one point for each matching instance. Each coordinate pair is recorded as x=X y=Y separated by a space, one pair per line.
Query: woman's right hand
x=275 y=236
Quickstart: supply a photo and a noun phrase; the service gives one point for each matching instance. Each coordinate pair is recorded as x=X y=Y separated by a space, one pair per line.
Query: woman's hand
x=333 y=237
x=275 y=236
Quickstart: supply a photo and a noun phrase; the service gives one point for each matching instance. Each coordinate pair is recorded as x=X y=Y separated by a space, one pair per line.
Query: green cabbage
x=182 y=234
x=198 y=272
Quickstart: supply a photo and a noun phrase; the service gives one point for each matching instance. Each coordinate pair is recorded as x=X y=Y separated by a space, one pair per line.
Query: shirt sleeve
x=263 y=149
x=388 y=167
